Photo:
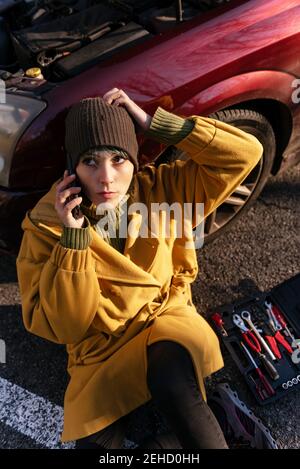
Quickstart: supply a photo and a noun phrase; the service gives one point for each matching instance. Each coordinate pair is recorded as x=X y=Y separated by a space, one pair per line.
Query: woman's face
x=105 y=176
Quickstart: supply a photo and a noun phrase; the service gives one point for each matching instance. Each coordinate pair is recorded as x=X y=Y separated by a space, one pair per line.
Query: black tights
x=173 y=385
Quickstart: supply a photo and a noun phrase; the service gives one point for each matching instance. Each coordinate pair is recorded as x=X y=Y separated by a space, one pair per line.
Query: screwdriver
x=283 y=322
x=219 y=322
x=258 y=389
x=262 y=378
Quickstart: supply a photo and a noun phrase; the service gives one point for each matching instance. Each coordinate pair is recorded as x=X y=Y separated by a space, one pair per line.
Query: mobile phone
x=75 y=183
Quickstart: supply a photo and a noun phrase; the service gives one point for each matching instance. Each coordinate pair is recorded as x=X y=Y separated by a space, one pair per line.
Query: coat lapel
x=132 y=267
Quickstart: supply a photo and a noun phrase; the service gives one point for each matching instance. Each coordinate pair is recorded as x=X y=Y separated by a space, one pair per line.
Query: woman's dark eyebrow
x=91 y=155
x=97 y=156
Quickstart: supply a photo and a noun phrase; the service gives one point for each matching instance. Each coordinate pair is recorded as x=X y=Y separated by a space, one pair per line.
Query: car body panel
x=263 y=84
x=203 y=54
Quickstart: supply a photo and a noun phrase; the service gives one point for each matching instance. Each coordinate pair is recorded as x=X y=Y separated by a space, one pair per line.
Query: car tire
x=223 y=218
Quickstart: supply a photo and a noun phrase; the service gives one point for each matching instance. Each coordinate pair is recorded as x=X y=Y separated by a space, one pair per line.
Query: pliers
x=254 y=344
x=248 y=336
x=273 y=333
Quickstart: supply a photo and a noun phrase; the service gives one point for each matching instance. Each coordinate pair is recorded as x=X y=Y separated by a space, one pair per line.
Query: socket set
x=262 y=334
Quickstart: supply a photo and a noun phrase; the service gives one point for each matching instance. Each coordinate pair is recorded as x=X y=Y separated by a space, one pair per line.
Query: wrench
x=45 y=60
x=272 y=316
x=247 y=317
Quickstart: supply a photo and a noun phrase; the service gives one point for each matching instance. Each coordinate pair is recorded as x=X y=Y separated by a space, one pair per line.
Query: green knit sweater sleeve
x=76 y=238
x=168 y=128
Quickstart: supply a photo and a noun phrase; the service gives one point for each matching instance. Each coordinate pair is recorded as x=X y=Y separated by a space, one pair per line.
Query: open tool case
x=285 y=301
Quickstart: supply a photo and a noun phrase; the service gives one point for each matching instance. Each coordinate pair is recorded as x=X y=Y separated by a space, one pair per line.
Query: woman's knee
x=170 y=369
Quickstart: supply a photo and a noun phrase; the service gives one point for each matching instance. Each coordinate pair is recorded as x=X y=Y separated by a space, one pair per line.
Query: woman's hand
x=64 y=210
x=118 y=97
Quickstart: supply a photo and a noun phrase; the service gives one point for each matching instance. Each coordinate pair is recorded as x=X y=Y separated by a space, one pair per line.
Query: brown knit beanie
x=91 y=123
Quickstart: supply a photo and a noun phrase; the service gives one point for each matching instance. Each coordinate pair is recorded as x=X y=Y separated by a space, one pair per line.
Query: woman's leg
x=110 y=437
x=173 y=385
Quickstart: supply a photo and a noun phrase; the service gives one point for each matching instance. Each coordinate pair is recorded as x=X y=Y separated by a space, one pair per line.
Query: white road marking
x=35 y=416
x=32 y=415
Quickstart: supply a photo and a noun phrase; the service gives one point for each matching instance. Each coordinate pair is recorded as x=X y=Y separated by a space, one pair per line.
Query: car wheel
x=241 y=199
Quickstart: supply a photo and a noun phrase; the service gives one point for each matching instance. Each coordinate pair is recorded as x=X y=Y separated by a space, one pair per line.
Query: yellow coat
x=107 y=306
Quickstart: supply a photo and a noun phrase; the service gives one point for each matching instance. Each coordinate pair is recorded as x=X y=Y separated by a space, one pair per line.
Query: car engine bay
x=65 y=37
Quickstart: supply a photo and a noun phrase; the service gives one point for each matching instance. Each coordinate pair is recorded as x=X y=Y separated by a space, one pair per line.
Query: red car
x=235 y=60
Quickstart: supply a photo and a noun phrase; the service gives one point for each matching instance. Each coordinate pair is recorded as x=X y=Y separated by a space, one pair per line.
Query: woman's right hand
x=117 y=97
x=63 y=209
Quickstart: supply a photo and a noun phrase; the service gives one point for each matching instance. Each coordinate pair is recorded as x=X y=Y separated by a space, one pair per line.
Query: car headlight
x=16 y=113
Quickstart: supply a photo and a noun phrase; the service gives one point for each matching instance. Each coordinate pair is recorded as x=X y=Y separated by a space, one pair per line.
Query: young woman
x=120 y=302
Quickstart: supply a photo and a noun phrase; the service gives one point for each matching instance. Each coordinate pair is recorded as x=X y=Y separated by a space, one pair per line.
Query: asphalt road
x=260 y=252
